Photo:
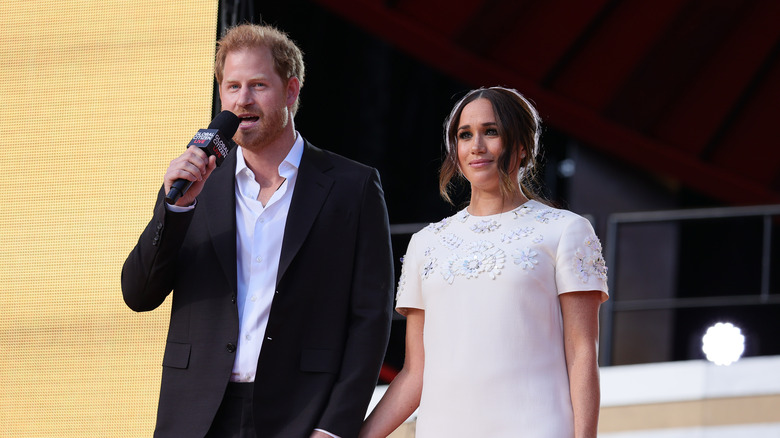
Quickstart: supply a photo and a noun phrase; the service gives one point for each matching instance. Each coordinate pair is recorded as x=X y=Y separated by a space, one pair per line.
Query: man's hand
x=193 y=165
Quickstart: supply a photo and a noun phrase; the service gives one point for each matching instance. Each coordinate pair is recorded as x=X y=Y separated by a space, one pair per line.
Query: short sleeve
x=409 y=294
x=580 y=265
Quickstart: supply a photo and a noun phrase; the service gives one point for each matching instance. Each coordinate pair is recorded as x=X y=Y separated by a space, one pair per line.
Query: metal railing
x=614 y=304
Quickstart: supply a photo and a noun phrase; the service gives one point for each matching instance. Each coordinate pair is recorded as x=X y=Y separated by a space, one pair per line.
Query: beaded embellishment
x=451 y=241
x=526 y=258
x=401 y=281
x=522 y=210
x=544 y=216
x=485 y=226
x=517 y=234
x=589 y=261
x=428 y=268
x=438 y=226
x=475 y=259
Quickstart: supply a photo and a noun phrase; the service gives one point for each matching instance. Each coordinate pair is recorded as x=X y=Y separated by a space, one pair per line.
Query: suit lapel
x=311 y=189
x=221 y=217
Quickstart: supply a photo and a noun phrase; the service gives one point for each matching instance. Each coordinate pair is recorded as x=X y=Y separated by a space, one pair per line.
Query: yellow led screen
x=97 y=98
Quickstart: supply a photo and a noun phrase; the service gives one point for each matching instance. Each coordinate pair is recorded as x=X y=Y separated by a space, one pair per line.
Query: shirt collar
x=290 y=163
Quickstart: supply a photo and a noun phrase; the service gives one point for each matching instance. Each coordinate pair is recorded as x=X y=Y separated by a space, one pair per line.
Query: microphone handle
x=177 y=190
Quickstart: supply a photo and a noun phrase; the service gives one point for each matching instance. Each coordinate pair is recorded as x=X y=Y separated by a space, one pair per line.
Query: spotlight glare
x=723 y=343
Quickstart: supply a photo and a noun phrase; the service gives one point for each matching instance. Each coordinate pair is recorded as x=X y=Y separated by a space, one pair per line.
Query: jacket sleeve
x=149 y=271
x=370 y=313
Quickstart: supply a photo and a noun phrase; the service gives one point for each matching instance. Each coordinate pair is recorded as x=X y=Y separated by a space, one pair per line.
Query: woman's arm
x=403 y=395
x=580 y=312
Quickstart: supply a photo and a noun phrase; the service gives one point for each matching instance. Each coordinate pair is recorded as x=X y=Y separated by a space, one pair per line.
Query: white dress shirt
x=260 y=229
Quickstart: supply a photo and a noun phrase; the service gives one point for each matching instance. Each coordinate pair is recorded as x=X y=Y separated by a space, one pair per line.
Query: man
x=280 y=266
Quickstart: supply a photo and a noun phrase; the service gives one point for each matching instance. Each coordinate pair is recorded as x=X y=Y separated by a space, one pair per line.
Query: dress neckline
x=465 y=212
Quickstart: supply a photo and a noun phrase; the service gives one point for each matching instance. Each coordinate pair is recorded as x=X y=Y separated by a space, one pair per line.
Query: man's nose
x=244 y=96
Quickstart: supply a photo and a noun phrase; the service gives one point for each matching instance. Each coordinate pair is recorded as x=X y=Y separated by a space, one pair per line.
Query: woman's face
x=479 y=145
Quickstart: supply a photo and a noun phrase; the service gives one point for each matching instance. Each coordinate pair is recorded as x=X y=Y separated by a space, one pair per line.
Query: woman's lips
x=480 y=163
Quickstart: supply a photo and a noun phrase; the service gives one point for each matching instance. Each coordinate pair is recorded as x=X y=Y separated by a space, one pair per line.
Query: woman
x=501 y=299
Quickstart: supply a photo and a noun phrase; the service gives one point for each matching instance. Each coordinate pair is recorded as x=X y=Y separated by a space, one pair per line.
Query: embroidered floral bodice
x=493 y=331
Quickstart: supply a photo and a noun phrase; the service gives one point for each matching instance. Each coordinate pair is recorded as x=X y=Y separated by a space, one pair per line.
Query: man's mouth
x=248 y=120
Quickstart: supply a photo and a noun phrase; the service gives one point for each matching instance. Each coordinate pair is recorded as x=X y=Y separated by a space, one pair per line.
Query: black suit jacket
x=329 y=321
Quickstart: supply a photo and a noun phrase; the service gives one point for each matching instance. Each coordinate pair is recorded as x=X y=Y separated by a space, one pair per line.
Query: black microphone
x=216 y=140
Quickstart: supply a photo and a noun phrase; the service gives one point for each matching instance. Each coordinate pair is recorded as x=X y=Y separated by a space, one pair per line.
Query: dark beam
x=577 y=120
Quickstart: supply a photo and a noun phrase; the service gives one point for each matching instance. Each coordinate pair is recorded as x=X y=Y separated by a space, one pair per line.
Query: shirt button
x=248 y=337
x=259 y=259
x=254 y=298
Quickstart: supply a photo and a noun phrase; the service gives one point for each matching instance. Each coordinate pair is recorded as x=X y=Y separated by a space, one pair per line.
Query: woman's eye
x=465 y=135
x=491 y=131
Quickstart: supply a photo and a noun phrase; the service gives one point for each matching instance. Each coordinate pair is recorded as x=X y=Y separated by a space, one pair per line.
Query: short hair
x=519 y=125
x=287 y=56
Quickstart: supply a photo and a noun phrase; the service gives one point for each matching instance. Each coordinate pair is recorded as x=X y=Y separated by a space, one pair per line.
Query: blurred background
x=659 y=120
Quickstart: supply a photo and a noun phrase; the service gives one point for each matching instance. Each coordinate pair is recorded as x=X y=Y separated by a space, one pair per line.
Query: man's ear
x=293 y=88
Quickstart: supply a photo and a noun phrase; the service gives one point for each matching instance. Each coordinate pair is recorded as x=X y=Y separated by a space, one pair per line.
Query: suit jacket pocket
x=320 y=361
x=176 y=355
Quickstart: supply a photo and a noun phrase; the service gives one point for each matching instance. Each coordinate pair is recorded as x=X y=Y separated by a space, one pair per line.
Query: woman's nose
x=478 y=145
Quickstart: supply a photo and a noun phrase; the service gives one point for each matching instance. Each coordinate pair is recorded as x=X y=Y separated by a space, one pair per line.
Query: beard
x=270 y=128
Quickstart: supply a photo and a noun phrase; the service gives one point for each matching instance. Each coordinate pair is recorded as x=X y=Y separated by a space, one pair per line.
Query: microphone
x=216 y=140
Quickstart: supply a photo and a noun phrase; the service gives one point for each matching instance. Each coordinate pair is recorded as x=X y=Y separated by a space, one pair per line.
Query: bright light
x=723 y=343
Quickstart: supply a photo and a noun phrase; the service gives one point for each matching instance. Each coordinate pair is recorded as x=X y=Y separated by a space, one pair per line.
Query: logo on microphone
x=219 y=148
x=211 y=142
x=204 y=135
x=202 y=138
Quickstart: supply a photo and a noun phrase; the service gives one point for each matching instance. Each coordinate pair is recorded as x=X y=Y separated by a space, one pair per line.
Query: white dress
x=493 y=334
